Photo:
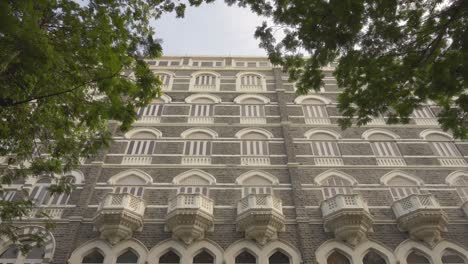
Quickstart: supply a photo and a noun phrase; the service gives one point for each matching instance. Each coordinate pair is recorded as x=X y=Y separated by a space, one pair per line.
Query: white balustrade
x=251 y=88
x=255 y=160
x=342 y=202
x=201 y=119
x=196 y=160
x=50 y=212
x=259 y=201
x=426 y=121
x=204 y=88
x=317 y=121
x=390 y=161
x=137 y=160
x=452 y=162
x=328 y=161
x=123 y=201
x=191 y=201
x=149 y=119
x=414 y=202
x=252 y=120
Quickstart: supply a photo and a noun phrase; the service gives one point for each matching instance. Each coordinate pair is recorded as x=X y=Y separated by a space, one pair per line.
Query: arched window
x=252 y=111
x=315 y=111
x=417 y=257
x=384 y=147
x=131 y=184
x=13 y=255
x=373 y=257
x=169 y=258
x=246 y=258
x=337 y=258
x=278 y=258
x=461 y=184
x=424 y=116
x=194 y=184
x=152 y=113
x=254 y=149
x=197 y=149
x=203 y=258
x=94 y=257
x=204 y=81
x=202 y=110
x=325 y=149
x=250 y=82
x=141 y=146
x=444 y=148
x=256 y=183
x=452 y=257
x=41 y=196
x=10 y=255
x=402 y=187
x=128 y=257
x=333 y=185
x=166 y=80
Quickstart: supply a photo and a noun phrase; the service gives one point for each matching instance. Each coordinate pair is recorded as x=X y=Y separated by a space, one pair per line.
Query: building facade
x=231 y=166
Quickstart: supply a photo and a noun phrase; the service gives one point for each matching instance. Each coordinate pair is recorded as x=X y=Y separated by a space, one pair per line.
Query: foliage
x=392 y=56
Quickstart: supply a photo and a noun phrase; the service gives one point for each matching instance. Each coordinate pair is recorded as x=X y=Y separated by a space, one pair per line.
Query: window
x=140 y=147
x=337 y=258
x=194 y=184
x=137 y=191
x=132 y=184
x=424 y=116
x=417 y=258
x=373 y=258
x=384 y=147
x=250 y=82
x=444 y=148
x=278 y=258
x=13 y=255
x=128 y=257
x=252 y=108
x=203 y=258
x=201 y=111
x=315 y=111
x=245 y=258
x=95 y=257
x=7 y=195
x=165 y=80
x=452 y=257
x=41 y=196
x=334 y=185
x=204 y=82
x=254 y=149
x=402 y=187
x=169 y=258
x=462 y=187
x=197 y=149
x=151 y=112
x=207 y=63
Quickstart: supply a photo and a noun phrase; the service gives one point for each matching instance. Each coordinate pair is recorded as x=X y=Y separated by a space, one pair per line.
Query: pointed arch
x=435 y=135
x=398 y=173
x=239 y=99
x=267 y=177
x=145 y=177
x=284 y=247
x=206 y=131
x=454 y=176
x=185 y=252
x=261 y=131
x=316 y=131
x=332 y=172
x=407 y=247
x=163 y=247
x=365 y=247
x=132 y=244
x=210 y=179
x=238 y=247
x=215 y=99
x=143 y=133
x=328 y=247
x=379 y=134
x=78 y=175
x=445 y=245
x=304 y=98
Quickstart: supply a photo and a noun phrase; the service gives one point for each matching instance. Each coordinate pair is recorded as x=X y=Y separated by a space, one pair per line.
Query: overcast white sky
x=212 y=29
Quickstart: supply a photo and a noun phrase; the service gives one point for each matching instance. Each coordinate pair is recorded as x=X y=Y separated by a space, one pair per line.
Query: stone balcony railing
x=119 y=215
x=260 y=216
x=328 y=161
x=51 y=212
x=390 y=161
x=201 y=119
x=251 y=88
x=421 y=216
x=196 y=160
x=317 y=121
x=137 y=160
x=452 y=162
x=426 y=121
x=189 y=216
x=204 y=88
x=255 y=160
x=149 y=119
x=347 y=216
x=252 y=120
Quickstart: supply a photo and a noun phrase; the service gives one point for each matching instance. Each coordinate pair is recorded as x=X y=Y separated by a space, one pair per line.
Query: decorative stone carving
x=189 y=216
x=260 y=216
x=119 y=215
x=347 y=216
x=421 y=216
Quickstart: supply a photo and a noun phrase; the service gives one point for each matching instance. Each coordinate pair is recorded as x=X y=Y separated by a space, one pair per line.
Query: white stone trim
x=273 y=180
x=314 y=131
x=398 y=173
x=195 y=172
x=157 y=134
x=186 y=253
x=262 y=131
x=164 y=98
x=262 y=253
x=372 y=131
x=77 y=174
x=242 y=97
x=452 y=177
x=189 y=131
x=136 y=172
x=332 y=172
x=189 y=99
x=239 y=80
x=194 y=77
x=301 y=98
x=427 y=132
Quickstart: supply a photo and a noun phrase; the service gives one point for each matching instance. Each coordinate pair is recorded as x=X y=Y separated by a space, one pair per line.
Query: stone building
x=231 y=166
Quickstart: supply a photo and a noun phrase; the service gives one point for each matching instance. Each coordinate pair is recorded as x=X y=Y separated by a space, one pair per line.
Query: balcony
x=260 y=216
x=452 y=162
x=254 y=120
x=426 y=121
x=317 y=121
x=196 y=160
x=46 y=212
x=137 y=160
x=391 y=161
x=255 y=160
x=204 y=88
x=118 y=216
x=201 y=119
x=347 y=216
x=421 y=216
x=189 y=216
x=328 y=161
x=251 y=88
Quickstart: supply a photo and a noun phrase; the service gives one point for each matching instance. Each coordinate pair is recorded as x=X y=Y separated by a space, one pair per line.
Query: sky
x=211 y=29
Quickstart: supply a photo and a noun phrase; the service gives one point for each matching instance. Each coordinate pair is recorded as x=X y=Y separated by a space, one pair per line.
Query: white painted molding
x=302 y=98
x=190 y=99
x=452 y=177
x=314 y=131
x=332 y=172
x=242 y=97
x=257 y=173
x=398 y=173
x=194 y=172
x=262 y=131
x=133 y=172
x=152 y=131
x=368 y=133
x=208 y=131
x=428 y=132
